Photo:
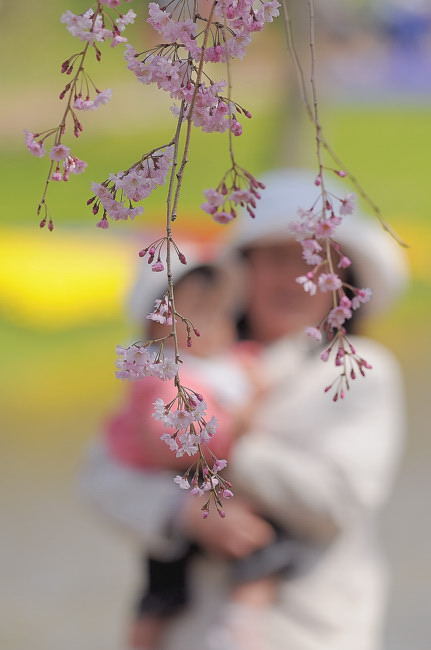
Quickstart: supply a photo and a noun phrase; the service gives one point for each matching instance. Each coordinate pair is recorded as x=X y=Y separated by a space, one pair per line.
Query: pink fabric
x=133 y=435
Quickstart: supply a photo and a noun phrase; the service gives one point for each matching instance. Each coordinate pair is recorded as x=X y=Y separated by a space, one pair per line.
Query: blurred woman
x=321 y=471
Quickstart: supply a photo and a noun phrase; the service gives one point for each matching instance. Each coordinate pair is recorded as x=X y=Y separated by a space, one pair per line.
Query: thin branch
x=312 y=117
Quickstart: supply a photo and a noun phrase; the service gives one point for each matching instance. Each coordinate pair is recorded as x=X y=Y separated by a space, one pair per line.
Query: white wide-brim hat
x=377 y=260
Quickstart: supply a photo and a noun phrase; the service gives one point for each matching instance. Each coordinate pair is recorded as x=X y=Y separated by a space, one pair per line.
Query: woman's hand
x=238 y=534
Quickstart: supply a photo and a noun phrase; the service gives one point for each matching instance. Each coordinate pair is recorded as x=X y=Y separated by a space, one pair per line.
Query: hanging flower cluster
x=238 y=188
x=90 y=26
x=207 y=480
x=172 y=64
x=186 y=415
x=137 y=361
x=176 y=66
x=95 y=25
x=117 y=195
x=162 y=312
x=351 y=365
x=314 y=229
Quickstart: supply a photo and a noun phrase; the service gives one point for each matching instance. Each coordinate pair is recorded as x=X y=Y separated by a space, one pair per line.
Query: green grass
x=388 y=147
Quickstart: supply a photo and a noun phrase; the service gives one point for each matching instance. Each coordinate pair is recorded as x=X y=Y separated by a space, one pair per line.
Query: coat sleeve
x=323 y=484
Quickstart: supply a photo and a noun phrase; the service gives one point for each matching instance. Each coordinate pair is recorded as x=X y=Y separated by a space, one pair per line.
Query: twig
x=312 y=117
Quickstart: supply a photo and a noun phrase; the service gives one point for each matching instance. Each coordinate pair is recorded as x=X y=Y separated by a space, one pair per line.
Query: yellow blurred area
x=62 y=279
x=417 y=237
x=68 y=278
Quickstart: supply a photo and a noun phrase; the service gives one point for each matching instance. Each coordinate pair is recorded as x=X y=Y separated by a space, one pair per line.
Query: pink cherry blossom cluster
x=208 y=481
x=90 y=26
x=350 y=363
x=186 y=414
x=183 y=32
x=58 y=153
x=33 y=144
x=171 y=64
x=137 y=361
x=70 y=165
x=238 y=20
x=188 y=420
x=315 y=229
x=112 y=3
x=212 y=111
x=79 y=94
x=102 y=97
x=117 y=210
x=131 y=186
x=237 y=189
x=162 y=312
x=176 y=66
x=155 y=252
x=235 y=21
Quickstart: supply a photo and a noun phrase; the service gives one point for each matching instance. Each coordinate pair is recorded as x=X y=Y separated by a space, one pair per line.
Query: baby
x=225 y=373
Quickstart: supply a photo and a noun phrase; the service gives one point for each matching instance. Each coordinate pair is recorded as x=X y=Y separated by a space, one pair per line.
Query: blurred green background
x=61 y=297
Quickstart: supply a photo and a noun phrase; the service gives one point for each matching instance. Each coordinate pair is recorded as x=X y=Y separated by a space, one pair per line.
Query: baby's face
x=210 y=309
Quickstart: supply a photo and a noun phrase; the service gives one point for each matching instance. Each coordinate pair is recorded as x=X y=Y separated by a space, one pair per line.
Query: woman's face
x=277 y=304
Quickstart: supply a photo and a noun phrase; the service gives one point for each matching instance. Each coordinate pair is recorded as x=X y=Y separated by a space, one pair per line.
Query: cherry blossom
x=70 y=165
x=170 y=30
x=361 y=296
x=112 y=3
x=314 y=333
x=162 y=312
x=329 y=282
x=223 y=217
x=138 y=361
x=59 y=152
x=344 y=262
x=219 y=465
x=90 y=25
x=87 y=26
x=115 y=209
x=310 y=251
x=87 y=104
x=35 y=147
x=308 y=284
x=238 y=188
x=182 y=482
x=125 y=19
x=132 y=186
x=338 y=315
x=349 y=361
x=347 y=204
